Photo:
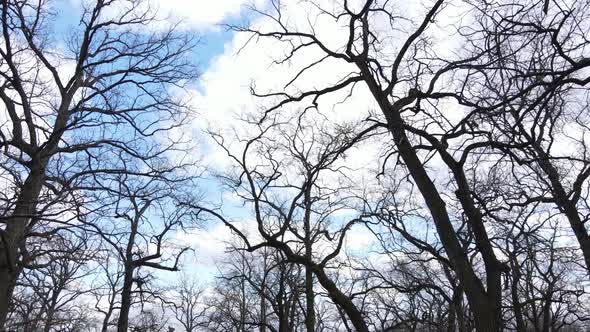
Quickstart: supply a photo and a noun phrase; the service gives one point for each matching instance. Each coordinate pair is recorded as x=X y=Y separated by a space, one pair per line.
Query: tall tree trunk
x=109 y=313
x=105 y=321
x=567 y=207
x=485 y=305
x=486 y=309
x=547 y=309
x=126 y=297
x=263 y=321
x=459 y=312
x=517 y=307
x=310 y=299
x=51 y=310
x=14 y=237
x=564 y=202
x=455 y=320
x=342 y=301
x=243 y=305
x=309 y=293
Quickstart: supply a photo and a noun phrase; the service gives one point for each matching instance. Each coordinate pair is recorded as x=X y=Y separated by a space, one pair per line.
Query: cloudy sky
x=230 y=64
x=228 y=69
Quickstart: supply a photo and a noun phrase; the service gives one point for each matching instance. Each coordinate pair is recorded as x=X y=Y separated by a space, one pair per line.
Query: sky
x=206 y=20
x=203 y=17
x=219 y=94
x=222 y=91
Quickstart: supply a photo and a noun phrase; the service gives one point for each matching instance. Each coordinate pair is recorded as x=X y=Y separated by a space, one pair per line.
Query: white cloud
x=203 y=14
x=211 y=243
x=226 y=84
x=226 y=93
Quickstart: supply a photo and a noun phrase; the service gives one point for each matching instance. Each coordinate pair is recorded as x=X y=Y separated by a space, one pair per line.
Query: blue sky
x=221 y=92
x=203 y=18
x=214 y=36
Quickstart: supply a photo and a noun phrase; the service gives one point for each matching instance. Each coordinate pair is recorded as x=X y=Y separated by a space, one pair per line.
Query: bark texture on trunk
x=14 y=236
x=123 y=321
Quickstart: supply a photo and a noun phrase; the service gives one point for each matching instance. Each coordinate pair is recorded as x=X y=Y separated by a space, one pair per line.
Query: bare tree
x=62 y=130
x=187 y=303
x=475 y=202
x=139 y=227
x=107 y=288
x=474 y=145
x=51 y=295
x=545 y=275
x=153 y=320
x=535 y=108
x=404 y=81
x=258 y=290
x=283 y=173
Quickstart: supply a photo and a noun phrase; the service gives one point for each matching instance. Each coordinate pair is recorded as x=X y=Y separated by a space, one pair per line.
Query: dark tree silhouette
x=65 y=131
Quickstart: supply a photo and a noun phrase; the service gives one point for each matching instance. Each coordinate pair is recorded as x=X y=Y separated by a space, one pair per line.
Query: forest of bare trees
x=399 y=166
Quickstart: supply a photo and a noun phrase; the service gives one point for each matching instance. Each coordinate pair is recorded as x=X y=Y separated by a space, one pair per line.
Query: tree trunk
x=309 y=293
x=123 y=321
x=310 y=299
x=263 y=300
x=51 y=310
x=485 y=305
x=14 y=236
x=486 y=310
x=547 y=309
x=560 y=195
x=517 y=307
x=342 y=301
x=105 y=321
x=568 y=207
